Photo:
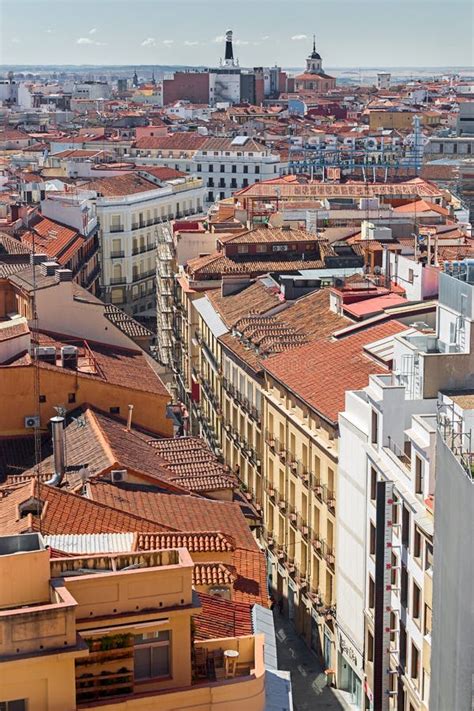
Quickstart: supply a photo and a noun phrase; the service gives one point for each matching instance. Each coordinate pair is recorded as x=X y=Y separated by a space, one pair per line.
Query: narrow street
x=310 y=692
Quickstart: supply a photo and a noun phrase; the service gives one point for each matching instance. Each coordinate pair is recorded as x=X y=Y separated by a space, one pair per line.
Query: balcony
x=330 y=557
x=118 y=280
x=117 y=255
x=210 y=663
x=319 y=489
x=318 y=543
x=331 y=501
x=302 y=525
x=117 y=228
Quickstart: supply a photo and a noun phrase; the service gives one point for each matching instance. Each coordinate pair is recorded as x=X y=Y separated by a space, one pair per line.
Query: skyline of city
x=141 y=35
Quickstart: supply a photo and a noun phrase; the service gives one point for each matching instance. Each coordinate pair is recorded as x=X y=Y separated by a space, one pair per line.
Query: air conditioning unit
x=118 y=475
x=69 y=356
x=46 y=354
x=32 y=421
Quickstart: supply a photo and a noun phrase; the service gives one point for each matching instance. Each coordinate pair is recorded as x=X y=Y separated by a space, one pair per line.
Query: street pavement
x=310 y=692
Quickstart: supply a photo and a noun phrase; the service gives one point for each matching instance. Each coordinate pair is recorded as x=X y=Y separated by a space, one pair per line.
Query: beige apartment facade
x=300 y=461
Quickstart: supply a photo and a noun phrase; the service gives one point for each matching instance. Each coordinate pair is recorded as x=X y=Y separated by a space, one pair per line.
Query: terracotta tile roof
x=251 y=584
x=179 y=141
x=178 y=512
x=225 y=144
x=14 y=330
x=119 y=185
x=126 y=367
x=54 y=239
x=213 y=574
x=65 y=512
x=195 y=542
x=162 y=172
x=255 y=299
x=126 y=323
x=317 y=190
x=267 y=235
x=10 y=245
x=220 y=618
x=217 y=264
x=321 y=371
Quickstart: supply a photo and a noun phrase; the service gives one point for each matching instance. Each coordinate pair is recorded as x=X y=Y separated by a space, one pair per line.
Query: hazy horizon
x=365 y=34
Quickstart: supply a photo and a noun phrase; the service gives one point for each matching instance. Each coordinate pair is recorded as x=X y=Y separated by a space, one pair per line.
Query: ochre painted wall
x=16 y=386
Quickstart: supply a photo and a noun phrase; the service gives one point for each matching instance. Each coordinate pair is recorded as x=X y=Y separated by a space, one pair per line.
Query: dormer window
x=32 y=506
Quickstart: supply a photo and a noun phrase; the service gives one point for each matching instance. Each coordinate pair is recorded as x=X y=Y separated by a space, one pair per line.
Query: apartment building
x=256 y=374
x=69 y=353
x=115 y=631
x=176 y=150
x=129 y=209
x=391 y=456
x=66 y=230
x=227 y=165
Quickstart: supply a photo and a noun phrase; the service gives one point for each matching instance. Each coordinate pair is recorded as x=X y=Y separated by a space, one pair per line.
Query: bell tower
x=314 y=64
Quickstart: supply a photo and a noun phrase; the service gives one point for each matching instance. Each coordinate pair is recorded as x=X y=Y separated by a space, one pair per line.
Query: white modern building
x=391 y=505
x=92 y=90
x=129 y=209
x=227 y=165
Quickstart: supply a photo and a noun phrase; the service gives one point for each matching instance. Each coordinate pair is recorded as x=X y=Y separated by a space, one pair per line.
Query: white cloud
x=149 y=42
x=49 y=31
x=265 y=38
x=15 y=40
x=219 y=39
x=188 y=43
x=93 y=31
x=88 y=40
x=168 y=41
x=240 y=43
x=299 y=37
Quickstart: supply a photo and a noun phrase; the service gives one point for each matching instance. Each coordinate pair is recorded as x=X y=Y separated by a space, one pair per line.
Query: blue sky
x=354 y=33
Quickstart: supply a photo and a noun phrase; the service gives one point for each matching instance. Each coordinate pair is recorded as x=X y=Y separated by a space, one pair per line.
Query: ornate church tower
x=314 y=63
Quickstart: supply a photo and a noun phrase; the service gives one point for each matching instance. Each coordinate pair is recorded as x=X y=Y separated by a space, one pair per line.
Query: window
x=370 y=647
x=246 y=169
x=373 y=483
x=234 y=169
x=404 y=586
x=371 y=593
x=403 y=645
x=71 y=397
x=261 y=248
x=114 y=410
x=199 y=167
x=428 y=556
x=372 y=538
x=410 y=276
x=416 y=603
x=42 y=398
x=375 y=428
x=427 y=620
x=395 y=510
x=151 y=655
x=221 y=196
x=211 y=168
x=15 y=705
x=405 y=526
x=257 y=169
x=417 y=544
x=394 y=572
x=415 y=662
x=393 y=628
x=222 y=168
x=418 y=475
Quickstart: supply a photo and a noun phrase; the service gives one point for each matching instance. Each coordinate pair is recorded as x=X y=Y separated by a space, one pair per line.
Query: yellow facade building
x=115 y=632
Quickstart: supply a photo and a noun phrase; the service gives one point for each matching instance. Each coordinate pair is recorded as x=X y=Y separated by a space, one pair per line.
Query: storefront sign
x=348 y=651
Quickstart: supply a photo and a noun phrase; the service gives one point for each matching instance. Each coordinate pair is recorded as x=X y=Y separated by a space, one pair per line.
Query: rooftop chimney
x=48 y=268
x=63 y=275
x=57 y=425
x=129 y=418
x=38 y=258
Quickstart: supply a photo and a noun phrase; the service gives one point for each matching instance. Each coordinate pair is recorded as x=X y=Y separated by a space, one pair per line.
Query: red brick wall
x=193 y=86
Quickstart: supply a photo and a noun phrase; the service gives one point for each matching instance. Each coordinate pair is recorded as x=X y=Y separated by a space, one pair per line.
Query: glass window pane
x=142 y=663
x=160 y=665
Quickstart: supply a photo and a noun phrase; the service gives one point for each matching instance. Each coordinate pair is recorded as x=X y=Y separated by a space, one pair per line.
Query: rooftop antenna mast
x=36 y=378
